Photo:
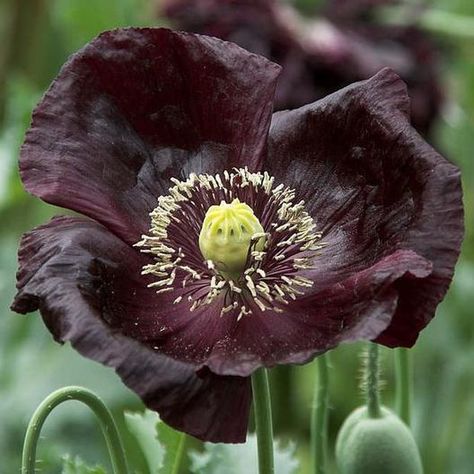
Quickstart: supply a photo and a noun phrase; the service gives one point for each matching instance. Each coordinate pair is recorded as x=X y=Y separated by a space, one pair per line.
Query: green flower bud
x=382 y=445
x=226 y=235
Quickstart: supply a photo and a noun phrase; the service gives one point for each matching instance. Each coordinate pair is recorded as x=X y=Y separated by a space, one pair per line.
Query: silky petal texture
x=375 y=188
x=359 y=307
x=63 y=266
x=136 y=107
x=379 y=194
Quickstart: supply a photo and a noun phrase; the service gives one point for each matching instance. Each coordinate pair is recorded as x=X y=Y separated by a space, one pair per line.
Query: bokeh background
x=36 y=37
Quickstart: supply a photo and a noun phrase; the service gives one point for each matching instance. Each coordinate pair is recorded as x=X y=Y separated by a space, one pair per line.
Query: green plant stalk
x=106 y=421
x=320 y=417
x=372 y=381
x=263 y=421
x=178 y=460
x=282 y=398
x=403 y=378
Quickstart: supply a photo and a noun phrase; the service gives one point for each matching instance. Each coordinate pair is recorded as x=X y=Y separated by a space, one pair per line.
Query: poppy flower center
x=228 y=232
x=235 y=240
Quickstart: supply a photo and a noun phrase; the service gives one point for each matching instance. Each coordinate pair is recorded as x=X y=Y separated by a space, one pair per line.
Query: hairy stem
x=263 y=421
x=372 y=381
x=106 y=421
x=319 y=417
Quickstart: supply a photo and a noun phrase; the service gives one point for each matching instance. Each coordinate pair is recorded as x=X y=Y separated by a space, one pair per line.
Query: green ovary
x=226 y=236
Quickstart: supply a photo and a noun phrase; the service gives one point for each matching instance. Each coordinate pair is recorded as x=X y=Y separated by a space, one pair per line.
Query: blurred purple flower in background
x=363 y=220
x=323 y=54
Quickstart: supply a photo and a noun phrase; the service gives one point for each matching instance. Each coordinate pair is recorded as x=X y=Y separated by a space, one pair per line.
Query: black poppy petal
x=62 y=265
x=136 y=107
x=360 y=307
x=374 y=187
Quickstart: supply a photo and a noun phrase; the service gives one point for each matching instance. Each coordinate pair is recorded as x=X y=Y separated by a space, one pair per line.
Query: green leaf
x=78 y=466
x=160 y=443
x=172 y=440
x=143 y=427
x=241 y=458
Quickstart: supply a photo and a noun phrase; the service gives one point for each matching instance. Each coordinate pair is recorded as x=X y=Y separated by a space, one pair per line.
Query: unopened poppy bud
x=227 y=233
x=384 y=444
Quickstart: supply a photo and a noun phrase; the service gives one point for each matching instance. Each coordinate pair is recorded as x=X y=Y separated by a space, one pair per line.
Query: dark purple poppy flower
x=322 y=55
x=142 y=132
x=263 y=27
x=407 y=49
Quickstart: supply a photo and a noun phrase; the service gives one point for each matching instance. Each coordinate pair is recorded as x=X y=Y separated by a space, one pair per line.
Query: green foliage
x=172 y=439
x=77 y=466
x=241 y=458
x=143 y=427
x=308 y=7
x=80 y=20
x=160 y=443
x=21 y=98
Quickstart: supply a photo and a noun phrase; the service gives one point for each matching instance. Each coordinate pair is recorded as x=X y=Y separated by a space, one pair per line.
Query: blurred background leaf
x=143 y=427
x=241 y=458
x=77 y=466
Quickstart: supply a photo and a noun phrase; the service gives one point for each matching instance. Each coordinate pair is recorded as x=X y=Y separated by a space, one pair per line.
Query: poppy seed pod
x=367 y=445
x=228 y=232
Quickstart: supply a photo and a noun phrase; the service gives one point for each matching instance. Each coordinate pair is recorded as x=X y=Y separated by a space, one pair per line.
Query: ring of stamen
x=272 y=273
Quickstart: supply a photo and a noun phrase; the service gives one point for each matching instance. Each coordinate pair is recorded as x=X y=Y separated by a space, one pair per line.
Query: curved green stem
x=403 y=379
x=106 y=421
x=263 y=421
x=372 y=381
x=178 y=460
x=320 y=417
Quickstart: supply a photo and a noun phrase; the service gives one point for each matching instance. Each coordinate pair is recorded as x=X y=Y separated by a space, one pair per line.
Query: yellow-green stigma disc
x=227 y=232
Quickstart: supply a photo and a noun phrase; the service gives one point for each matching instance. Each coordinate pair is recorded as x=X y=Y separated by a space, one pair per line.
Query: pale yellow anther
x=226 y=236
